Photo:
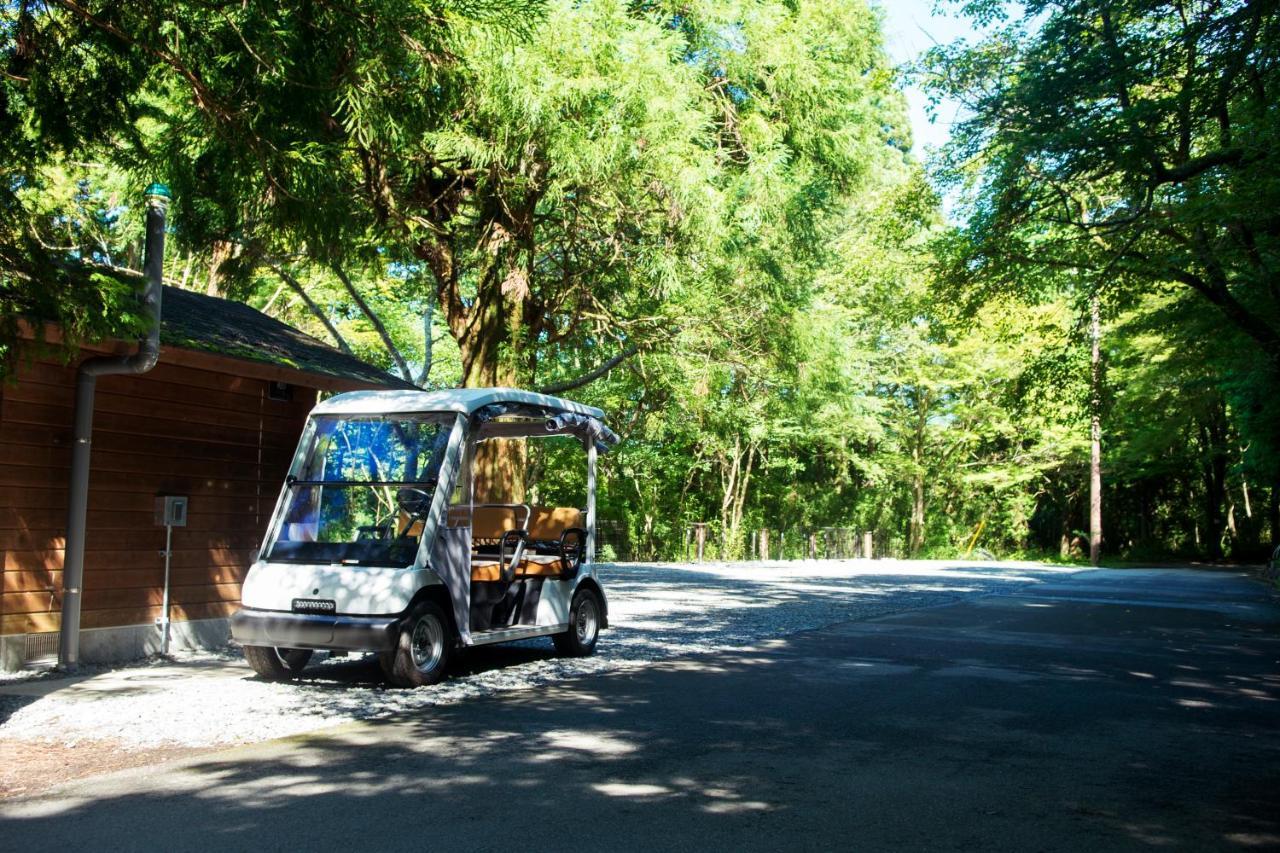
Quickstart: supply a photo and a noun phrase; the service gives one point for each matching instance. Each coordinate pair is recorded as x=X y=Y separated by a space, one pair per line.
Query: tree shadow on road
x=879 y=735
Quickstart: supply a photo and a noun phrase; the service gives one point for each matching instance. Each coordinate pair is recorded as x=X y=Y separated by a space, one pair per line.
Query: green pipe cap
x=158 y=190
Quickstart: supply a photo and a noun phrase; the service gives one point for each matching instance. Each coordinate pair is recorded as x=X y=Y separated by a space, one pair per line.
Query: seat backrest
x=549 y=522
x=487 y=522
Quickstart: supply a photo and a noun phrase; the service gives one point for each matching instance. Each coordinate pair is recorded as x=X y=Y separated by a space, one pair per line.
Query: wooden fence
x=699 y=541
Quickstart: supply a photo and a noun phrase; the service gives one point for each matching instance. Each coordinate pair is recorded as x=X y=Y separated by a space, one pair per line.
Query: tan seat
x=485 y=572
x=548 y=523
x=488 y=523
x=532 y=566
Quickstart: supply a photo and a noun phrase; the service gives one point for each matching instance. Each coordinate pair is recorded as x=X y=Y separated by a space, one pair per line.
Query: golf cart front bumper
x=314 y=631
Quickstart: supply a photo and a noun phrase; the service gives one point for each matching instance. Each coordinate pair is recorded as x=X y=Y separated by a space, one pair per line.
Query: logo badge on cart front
x=315 y=605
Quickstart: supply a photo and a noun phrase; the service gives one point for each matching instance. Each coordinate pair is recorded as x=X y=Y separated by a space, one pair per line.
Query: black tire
x=277 y=664
x=585 y=617
x=421 y=655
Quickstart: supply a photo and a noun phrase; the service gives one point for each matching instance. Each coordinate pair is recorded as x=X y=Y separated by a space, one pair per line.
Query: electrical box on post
x=171 y=511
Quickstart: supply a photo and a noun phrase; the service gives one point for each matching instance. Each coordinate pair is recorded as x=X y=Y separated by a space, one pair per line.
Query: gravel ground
x=202 y=700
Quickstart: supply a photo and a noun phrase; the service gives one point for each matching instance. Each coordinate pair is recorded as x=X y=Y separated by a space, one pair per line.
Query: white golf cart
x=378 y=544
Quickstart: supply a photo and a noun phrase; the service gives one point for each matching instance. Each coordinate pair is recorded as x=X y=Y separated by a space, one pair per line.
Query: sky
x=911 y=27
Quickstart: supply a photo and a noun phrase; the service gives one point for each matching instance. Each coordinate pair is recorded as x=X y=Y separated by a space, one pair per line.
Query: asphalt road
x=1106 y=710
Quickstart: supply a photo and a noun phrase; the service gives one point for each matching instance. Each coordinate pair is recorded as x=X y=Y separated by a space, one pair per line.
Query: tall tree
x=1136 y=139
x=1095 y=429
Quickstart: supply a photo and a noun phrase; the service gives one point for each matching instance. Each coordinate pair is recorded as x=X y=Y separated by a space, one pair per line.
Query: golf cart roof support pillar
x=591 y=500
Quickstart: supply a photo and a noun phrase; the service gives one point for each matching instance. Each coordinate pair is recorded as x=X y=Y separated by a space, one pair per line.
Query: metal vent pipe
x=157 y=200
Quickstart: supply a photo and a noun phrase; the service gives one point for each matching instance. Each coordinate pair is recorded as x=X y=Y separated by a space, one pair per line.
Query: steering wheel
x=415 y=503
x=413 y=500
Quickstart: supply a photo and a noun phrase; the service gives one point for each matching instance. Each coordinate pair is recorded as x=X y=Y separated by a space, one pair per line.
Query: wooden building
x=216 y=420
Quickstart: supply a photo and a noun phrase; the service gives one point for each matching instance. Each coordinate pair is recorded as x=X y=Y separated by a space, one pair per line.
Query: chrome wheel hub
x=587 y=623
x=427 y=644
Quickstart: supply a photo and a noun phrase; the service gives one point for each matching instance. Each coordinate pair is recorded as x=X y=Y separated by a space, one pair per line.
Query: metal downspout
x=157 y=200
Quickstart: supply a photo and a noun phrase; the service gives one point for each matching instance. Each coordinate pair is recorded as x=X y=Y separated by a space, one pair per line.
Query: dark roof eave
x=218 y=363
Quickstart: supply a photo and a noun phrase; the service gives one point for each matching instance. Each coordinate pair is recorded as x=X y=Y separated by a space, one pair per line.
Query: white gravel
x=656 y=612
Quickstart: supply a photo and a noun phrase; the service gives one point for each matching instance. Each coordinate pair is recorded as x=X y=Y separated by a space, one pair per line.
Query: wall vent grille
x=41 y=648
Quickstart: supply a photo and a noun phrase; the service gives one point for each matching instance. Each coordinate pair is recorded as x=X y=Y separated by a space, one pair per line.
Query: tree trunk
x=730 y=466
x=1214 y=493
x=1095 y=432
x=1067 y=513
x=1144 y=512
x=916 y=535
x=1244 y=492
x=428 y=317
x=916 y=527
x=491 y=342
x=1214 y=466
x=1273 y=515
x=186 y=270
x=499 y=463
x=735 y=480
x=492 y=329
x=222 y=251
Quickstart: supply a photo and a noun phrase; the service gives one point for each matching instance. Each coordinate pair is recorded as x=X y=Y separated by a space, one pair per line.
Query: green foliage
x=701 y=216
x=1127 y=151
x=264 y=118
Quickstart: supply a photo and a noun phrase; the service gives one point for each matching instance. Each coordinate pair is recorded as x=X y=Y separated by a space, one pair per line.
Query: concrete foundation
x=13 y=652
x=127 y=643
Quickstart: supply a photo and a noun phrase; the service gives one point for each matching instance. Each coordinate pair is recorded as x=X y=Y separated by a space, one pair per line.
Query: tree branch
x=1196 y=165
x=401 y=364
x=428 y=314
x=315 y=309
x=592 y=375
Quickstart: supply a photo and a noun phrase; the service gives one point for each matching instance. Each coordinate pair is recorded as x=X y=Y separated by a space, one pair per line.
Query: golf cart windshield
x=363 y=491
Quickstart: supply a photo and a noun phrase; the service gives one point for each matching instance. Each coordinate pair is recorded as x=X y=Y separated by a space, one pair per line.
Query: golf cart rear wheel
x=275 y=664
x=422 y=653
x=584 y=626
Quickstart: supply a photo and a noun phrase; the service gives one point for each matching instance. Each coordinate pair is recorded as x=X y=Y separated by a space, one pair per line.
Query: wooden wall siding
x=215 y=437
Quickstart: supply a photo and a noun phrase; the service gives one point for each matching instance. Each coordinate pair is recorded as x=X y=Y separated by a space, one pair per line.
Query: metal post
x=164 y=606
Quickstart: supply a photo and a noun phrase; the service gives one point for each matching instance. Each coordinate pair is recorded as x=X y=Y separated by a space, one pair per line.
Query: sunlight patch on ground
x=623 y=789
x=594 y=743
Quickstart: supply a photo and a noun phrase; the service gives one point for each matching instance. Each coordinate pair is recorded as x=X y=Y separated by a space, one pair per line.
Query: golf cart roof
x=465 y=401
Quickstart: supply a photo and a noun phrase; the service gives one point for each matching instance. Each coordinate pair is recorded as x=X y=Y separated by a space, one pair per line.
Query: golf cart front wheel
x=421 y=654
